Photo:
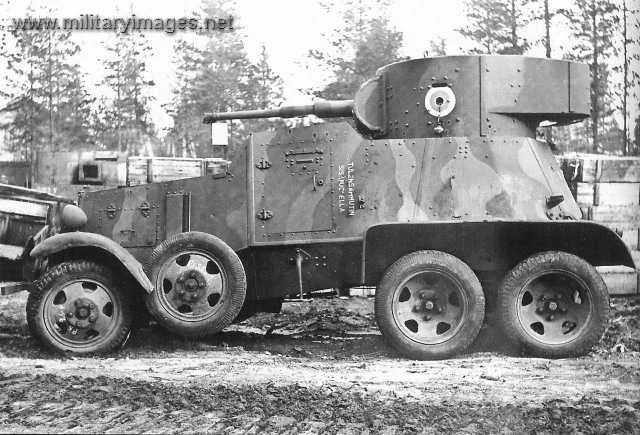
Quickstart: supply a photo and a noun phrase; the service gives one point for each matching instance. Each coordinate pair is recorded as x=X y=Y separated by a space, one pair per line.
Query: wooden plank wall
x=141 y=170
x=607 y=189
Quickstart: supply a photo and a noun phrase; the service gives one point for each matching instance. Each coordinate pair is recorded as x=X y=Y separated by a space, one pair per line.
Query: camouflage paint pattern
x=320 y=188
x=340 y=184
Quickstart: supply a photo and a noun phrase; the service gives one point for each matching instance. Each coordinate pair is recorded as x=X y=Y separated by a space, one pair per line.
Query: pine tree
x=631 y=77
x=437 y=48
x=128 y=106
x=364 y=42
x=594 y=25
x=543 y=10
x=633 y=84
x=495 y=26
x=214 y=73
x=44 y=87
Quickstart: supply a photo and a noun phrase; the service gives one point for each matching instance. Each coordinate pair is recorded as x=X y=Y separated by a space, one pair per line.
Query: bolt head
x=428 y=305
x=92 y=306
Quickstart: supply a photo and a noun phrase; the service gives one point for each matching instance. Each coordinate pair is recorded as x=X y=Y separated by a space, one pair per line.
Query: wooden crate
x=611 y=194
x=607 y=189
x=597 y=168
x=141 y=170
x=623 y=217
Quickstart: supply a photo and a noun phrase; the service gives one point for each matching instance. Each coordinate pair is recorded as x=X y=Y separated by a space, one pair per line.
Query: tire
x=200 y=284
x=553 y=305
x=80 y=307
x=429 y=305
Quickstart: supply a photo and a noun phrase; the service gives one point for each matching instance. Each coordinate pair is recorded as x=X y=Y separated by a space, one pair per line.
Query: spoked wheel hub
x=80 y=312
x=554 y=306
x=429 y=304
x=428 y=307
x=192 y=285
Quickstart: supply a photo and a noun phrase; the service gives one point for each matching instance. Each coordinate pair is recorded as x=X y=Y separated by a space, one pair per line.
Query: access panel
x=292 y=185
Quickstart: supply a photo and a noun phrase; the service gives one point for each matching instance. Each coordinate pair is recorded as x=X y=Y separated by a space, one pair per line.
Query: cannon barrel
x=322 y=109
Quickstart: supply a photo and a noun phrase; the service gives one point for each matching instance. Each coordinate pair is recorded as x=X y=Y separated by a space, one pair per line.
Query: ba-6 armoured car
x=435 y=190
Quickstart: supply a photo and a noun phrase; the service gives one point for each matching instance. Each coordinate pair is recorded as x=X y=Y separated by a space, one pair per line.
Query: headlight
x=72 y=217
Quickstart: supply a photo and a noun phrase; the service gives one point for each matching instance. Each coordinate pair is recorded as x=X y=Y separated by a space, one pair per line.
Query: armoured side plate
x=294 y=196
x=129 y=216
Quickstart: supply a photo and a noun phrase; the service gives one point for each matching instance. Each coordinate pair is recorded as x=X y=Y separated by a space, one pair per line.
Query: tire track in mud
x=323 y=370
x=81 y=404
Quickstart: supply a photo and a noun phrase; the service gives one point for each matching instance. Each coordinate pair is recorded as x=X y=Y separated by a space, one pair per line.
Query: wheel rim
x=83 y=313
x=554 y=306
x=429 y=306
x=191 y=286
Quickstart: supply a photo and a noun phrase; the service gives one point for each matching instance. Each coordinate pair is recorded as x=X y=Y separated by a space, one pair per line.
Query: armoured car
x=432 y=187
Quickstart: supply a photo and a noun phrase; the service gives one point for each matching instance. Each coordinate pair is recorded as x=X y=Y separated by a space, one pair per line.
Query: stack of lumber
x=141 y=170
x=607 y=189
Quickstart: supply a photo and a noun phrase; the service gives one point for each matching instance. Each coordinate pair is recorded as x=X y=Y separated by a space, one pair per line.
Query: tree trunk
x=50 y=86
x=547 y=28
x=625 y=81
x=514 y=30
x=595 y=81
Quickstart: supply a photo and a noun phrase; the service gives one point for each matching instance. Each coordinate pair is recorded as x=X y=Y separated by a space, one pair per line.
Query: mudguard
x=491 y=245
x=78 y=239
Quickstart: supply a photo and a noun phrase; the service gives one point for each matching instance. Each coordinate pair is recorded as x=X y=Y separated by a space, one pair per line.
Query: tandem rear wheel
x=553 y=305
x=429 y=305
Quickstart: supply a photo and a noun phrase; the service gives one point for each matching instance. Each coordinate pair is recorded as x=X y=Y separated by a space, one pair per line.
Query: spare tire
x=200 y=284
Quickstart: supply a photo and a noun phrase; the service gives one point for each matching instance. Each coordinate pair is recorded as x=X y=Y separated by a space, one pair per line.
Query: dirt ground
x=317 y=367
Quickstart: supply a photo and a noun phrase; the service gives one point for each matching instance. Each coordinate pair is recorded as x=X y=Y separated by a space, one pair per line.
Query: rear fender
x=491 y=246
x=67 y=242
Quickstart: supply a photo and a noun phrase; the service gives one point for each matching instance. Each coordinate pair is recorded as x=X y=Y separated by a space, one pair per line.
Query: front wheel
x=78 y=307
x=553 y=304
x=429 y=304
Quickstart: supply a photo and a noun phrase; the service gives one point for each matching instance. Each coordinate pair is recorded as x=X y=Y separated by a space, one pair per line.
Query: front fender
x=77 y=239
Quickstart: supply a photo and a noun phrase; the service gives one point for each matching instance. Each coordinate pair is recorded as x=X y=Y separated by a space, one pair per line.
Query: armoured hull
x=435 y=191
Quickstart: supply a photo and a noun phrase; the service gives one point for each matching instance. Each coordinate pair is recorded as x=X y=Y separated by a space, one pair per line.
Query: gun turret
x=321 y=109
x=454 y=96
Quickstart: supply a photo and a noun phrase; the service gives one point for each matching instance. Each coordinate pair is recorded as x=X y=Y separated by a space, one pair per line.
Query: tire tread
x=510 y=285
x=61 y=271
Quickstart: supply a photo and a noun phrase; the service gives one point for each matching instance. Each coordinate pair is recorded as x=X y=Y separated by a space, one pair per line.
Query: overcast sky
x=287 y=28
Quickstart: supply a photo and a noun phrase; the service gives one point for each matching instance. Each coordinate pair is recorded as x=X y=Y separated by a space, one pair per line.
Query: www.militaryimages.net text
x=94 y=22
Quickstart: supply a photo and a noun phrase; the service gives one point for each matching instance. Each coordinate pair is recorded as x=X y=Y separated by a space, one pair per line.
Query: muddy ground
x=318 y=367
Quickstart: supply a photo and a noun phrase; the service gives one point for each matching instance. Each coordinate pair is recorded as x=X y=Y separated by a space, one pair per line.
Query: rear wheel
x=429 y=304
x=79 y=307
x=553 y=304
x=200 y=284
